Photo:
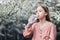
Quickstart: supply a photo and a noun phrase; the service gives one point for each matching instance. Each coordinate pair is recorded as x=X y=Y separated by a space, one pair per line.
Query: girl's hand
x=28 y=25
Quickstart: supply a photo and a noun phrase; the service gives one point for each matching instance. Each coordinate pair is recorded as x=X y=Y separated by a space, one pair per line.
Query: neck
x=43 y=20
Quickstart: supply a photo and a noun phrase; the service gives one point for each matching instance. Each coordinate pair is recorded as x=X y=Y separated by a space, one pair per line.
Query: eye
x=40 y=11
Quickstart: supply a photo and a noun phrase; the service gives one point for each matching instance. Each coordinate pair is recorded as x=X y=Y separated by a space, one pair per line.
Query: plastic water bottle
x=32 y=19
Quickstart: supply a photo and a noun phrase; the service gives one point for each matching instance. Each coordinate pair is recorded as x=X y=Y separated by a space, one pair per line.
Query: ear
x=46 y=14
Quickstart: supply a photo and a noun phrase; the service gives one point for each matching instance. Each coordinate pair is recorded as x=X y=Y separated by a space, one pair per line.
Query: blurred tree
x=18 y=11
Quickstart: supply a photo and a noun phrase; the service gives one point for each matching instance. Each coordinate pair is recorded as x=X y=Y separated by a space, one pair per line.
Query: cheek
x=41 y=14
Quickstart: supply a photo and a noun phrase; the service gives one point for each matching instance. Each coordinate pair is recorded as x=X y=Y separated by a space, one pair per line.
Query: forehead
x=39 y=8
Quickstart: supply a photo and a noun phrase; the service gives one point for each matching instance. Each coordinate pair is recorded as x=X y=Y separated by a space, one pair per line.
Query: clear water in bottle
x=32 y=19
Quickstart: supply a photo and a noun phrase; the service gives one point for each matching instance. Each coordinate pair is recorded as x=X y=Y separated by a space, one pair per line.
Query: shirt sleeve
x=28 y=31
x=53 y=32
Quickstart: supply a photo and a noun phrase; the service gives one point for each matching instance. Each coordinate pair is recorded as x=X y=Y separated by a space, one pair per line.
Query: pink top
x=44 y=32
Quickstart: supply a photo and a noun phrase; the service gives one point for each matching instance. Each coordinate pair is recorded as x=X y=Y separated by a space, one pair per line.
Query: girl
x=42 y=28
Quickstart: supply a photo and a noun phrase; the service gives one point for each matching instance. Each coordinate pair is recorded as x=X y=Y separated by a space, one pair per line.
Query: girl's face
x=41 y=12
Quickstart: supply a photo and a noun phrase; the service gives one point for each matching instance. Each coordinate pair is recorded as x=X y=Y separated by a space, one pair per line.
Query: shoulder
x=51 y=24
x=34 y=24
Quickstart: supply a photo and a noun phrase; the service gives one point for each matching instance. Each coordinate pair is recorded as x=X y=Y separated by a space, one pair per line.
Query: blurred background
x=15 y=13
